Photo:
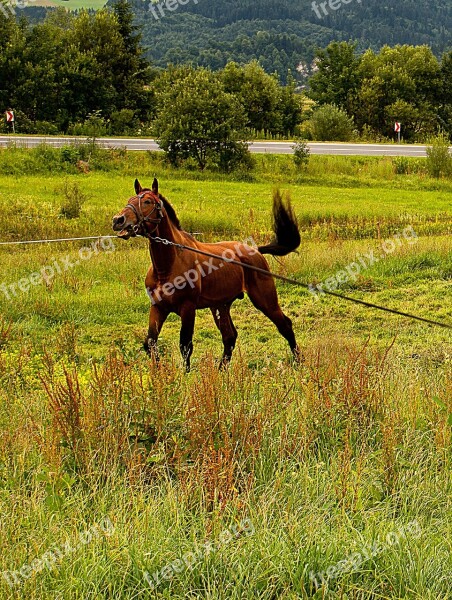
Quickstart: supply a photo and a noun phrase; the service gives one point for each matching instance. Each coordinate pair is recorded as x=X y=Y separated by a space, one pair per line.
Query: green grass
x=324 y=459
x=74 y=4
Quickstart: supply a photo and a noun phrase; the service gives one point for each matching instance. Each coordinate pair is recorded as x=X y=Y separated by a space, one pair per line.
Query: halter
x=139 y=228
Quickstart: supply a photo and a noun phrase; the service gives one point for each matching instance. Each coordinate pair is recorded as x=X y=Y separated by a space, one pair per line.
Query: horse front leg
x=157 y=317
x=187 y=314
x=223 y=321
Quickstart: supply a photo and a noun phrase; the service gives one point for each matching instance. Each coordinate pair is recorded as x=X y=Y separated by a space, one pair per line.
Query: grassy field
x=327 y=480
x=70 y=4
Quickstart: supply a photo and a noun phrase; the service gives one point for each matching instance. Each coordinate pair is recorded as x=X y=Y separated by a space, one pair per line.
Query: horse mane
x=171 y=214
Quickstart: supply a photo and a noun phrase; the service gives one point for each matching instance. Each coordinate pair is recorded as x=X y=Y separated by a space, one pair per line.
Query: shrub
x=94 y=126
x=330 y=123
x=197 y=118
x=401 y=165
x=75 y=199
x=123 y=122
x=70 y=154
x=46 y=128
x=23 y=124
x=439 y=158
x=301 y=154
x=234 y=156
x=303 y=131
x=44 y=157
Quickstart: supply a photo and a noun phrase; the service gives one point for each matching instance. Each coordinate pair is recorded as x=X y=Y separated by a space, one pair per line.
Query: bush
x=94 y=126
x=198 y=119
x=301 y=154
x=4 y=126
x=401 y=165
x=123 y=122
x=44 y=157
x=331 y=124
x=23 y=124
x=70 y=154
x=234 y=156
x=439 y=158
x=75 y=199
x=46 y=128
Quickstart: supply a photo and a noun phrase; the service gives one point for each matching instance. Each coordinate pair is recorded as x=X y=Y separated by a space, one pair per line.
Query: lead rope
x=299 y=283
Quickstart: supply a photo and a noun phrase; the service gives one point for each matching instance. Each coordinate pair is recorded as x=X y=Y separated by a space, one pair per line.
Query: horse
x=180 y=282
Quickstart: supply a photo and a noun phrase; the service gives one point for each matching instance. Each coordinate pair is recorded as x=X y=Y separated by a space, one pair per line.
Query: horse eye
x=147 y=202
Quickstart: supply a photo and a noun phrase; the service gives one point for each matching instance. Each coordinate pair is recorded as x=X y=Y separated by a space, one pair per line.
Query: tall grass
x=322 y=460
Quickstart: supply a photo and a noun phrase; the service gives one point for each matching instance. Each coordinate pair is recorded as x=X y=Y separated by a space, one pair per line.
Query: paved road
x=256 y=147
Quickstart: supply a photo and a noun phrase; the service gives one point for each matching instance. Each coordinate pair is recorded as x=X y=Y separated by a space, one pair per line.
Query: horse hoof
x=224 y=364
x=297 y=356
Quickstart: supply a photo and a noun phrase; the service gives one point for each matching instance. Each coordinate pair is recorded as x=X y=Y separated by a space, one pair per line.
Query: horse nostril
x=119 y=220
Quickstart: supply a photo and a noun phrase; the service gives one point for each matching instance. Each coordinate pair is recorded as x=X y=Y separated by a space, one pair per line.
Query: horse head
x=142 y=210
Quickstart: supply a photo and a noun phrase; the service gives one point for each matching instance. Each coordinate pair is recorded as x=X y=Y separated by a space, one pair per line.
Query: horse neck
x=163 y=256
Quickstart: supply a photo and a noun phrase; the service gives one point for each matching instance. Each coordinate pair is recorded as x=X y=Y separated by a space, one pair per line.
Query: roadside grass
x=324 y=459
x=362 y=171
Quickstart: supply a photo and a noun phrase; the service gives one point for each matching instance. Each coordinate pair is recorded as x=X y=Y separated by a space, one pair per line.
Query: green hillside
x=283 y=33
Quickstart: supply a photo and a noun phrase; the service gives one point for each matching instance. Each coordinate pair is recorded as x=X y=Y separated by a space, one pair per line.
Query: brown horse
x=181 y=282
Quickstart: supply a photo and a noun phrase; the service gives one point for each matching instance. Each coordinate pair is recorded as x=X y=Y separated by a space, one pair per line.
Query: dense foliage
x=404 y=83
x=85 y=74
x=88 y=74
x=198 y=119
x=281 y=34
x=59 y=72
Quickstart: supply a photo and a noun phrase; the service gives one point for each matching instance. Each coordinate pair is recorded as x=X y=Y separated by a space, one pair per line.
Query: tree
x=405 y=79
x=337 y=78
x=445 y=101
x=197 y=118
x=70 y=66
x=12 y=43
x=290 y=107
x=402 y=83
x=330 y=124
x=132 y=72
x=269 y=107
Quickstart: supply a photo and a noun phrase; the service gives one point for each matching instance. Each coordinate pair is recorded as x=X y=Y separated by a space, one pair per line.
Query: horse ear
x=155 y=186
x=138 y=188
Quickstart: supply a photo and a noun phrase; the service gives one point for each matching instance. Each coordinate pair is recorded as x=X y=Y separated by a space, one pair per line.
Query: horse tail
x=285 y=227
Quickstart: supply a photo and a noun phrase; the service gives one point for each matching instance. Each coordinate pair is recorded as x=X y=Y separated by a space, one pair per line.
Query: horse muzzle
x=125 y=230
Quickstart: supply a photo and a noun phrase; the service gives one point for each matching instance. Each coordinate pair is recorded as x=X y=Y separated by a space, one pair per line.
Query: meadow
x=120 y=478
x=70 y=4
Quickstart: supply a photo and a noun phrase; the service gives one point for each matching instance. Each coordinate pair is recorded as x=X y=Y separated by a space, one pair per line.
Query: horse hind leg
x=188 y=314
x=262 y=293
x=223 y=321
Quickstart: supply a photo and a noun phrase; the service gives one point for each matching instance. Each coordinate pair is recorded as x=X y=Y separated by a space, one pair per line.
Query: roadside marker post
x=398 y=130
x=10 y=118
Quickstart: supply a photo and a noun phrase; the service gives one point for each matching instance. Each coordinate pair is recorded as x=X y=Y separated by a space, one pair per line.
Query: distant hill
x=284 y=33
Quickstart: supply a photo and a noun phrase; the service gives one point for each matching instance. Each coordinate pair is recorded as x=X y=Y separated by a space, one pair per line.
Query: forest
x=281 y=34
